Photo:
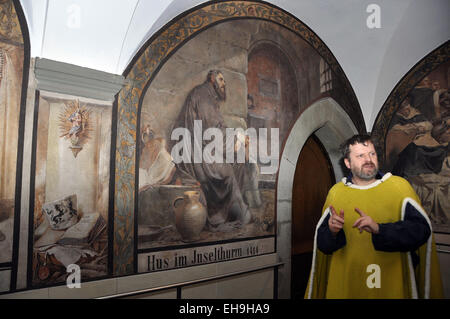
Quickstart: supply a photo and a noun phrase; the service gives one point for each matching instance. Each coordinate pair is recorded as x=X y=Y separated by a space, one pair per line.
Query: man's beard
x=366 y=176
x=220 y=93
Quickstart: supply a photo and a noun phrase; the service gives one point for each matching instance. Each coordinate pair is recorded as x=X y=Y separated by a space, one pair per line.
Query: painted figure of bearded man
x=220 y=182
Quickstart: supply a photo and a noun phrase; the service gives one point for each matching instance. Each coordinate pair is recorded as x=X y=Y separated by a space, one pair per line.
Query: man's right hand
x=336 y=222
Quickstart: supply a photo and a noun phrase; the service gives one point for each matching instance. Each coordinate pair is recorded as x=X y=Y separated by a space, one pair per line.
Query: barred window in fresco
x=71 y=188
x=11 y=70
x=417 y=144
x=326 y=82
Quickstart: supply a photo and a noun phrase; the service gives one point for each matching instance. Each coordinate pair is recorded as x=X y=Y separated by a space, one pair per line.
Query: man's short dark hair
x=212 y=75
x=355 y=139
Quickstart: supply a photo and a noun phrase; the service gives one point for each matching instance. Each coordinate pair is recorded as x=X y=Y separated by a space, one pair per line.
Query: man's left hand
x=366 y=223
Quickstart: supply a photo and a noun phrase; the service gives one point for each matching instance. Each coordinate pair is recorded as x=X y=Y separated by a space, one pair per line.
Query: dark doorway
x=313 y=178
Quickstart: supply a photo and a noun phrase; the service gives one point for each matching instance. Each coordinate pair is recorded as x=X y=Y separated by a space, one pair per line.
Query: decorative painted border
x=145 y=66
x=402 y=89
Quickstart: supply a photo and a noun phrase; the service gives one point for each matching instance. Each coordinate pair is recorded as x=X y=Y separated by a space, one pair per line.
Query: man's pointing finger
x=333 y=211
x=360 y=212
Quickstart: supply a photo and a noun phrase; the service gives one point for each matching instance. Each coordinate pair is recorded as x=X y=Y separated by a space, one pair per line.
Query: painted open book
x=89 y=227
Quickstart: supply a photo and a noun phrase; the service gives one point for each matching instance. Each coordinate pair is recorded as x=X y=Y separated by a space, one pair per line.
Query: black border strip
x=32 y=190
x=440 y=232
x=20 y=142
x=275 y=282
x=112 y=176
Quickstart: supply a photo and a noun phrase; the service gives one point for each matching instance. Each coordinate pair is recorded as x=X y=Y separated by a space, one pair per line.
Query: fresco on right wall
x=417 y=144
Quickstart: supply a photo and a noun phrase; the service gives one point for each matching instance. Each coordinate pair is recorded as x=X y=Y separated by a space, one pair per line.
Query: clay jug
x=190 y=215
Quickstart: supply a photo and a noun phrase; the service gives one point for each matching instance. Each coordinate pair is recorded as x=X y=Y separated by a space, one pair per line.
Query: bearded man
x=374 y=239
x=220 y=182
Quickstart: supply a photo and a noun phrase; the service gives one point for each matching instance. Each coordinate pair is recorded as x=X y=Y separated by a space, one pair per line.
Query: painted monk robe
x=220 y=182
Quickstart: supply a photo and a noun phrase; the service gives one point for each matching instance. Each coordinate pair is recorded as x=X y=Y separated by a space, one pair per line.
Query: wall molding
x=60 y=77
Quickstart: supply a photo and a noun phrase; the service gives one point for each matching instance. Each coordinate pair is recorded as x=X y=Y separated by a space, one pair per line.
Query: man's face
x=363 y=161
x=78 y=117
x=426 y=82
x=444 y=99
x=219 y=86
x=435 y=85
x=405 y=109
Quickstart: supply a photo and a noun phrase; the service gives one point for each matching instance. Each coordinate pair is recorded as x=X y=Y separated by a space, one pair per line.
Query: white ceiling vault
x=106 y=34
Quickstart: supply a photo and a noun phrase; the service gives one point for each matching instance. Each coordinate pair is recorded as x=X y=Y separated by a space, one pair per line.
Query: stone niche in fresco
x=11 y=70
x=197 y=212
x=71 y=188
x=417 y=144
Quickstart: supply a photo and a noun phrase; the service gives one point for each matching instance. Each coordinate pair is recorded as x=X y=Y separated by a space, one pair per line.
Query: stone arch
x=332 y=125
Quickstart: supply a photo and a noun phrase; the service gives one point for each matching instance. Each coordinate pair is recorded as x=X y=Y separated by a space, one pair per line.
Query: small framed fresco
x=70 y=214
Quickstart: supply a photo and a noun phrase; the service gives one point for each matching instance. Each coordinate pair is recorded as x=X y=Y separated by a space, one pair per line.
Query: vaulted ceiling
x=106 y=34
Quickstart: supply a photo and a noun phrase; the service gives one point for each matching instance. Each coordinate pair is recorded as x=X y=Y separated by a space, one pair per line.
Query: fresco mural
x=201 y=120
x=11 y=70
x=220 y=36
x=71 y=188
x=245 y=77
x=417 y=143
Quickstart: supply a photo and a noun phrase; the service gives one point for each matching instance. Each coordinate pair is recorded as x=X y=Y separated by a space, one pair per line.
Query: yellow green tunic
x=349 y=271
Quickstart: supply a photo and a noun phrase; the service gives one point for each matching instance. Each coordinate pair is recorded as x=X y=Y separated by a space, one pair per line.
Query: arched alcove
x=238 y=26
x=328 y=121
